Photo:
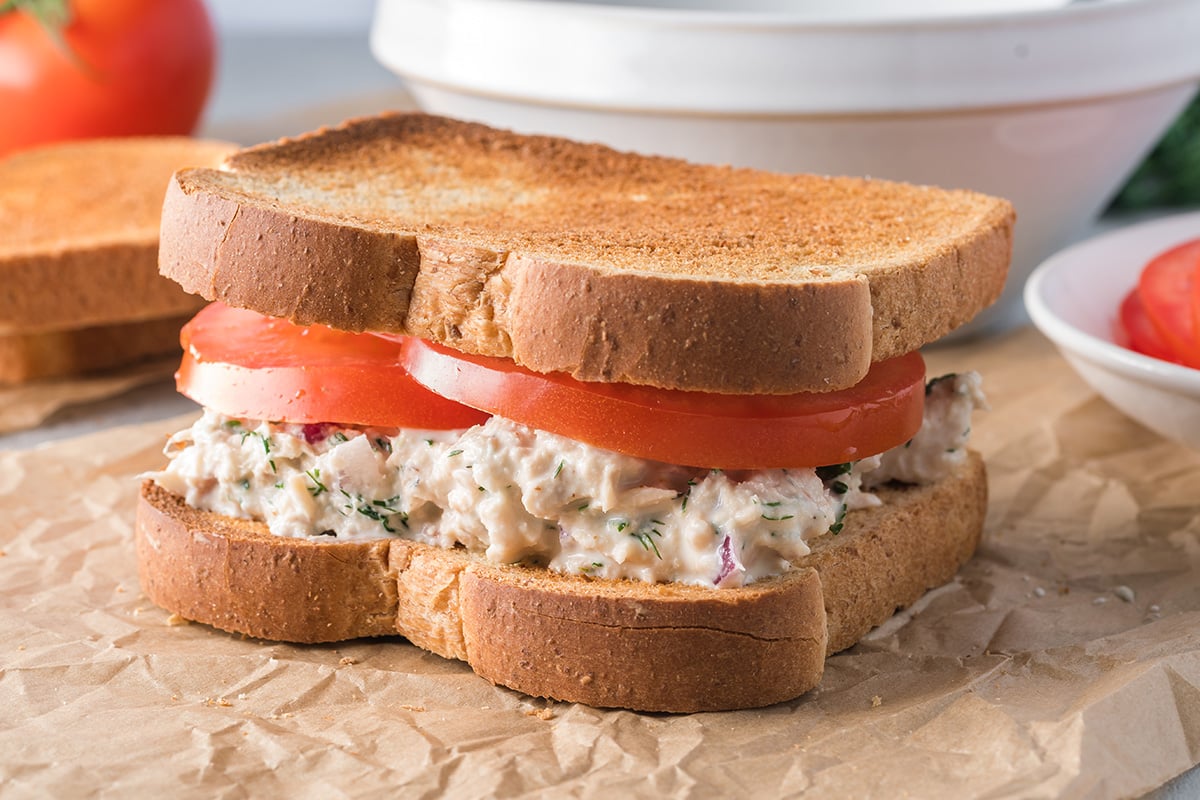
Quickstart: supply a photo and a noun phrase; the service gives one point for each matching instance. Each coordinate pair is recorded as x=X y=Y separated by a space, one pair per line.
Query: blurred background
x=284 y=67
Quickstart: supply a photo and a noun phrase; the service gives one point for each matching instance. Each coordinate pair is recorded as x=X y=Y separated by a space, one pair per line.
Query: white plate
x=1073 y=298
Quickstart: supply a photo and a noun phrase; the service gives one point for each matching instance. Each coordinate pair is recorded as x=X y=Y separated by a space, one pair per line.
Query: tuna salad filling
x=516 y=494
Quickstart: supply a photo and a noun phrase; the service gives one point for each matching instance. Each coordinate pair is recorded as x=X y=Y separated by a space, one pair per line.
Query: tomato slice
x=1165 y=288
x=690 y=428
x=246 y=365
x=1139 y=333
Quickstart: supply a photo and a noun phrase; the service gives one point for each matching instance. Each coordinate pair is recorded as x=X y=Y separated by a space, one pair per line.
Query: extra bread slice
x=577 y=258
x=79 y=351
x=79 y=232
x=650 y=647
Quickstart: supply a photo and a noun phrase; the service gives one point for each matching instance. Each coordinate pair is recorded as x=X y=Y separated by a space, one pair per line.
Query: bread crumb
x=1124 y=592
x=413 y=708
x=175 y=619
x=217 y=702
x=120 y=589
x=346 y=661
x=241 y=695
x=3 y=554
x=876 y=701
x=20 y=647
x=540 y=713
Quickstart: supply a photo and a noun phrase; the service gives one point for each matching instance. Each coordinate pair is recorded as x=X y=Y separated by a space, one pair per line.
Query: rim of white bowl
x=1105 y=352
x=731 y=62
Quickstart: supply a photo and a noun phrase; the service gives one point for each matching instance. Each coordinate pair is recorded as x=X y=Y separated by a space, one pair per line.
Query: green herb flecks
x=317 y=488
x=382 y=511
x=647 y=540
x=839 y=521
x=266 y=443
x=832 y=471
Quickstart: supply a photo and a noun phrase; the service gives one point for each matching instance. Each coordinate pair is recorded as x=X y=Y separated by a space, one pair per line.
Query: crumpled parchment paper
x=25 y=406
x=1063 y=661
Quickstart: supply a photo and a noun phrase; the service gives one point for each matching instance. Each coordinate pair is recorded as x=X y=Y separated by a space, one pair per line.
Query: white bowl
x=1051 y=107
x=1073 y=298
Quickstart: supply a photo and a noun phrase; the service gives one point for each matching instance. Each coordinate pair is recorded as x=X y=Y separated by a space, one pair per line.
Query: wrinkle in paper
x=1064 y=660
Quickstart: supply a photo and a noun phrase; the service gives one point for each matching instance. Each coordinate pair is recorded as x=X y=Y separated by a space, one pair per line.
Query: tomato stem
x=53 y=15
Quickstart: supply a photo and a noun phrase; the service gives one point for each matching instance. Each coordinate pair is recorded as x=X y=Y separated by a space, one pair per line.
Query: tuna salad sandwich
x=613 y=429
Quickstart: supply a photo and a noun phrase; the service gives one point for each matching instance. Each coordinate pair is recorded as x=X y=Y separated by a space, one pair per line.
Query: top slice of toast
x=578 y=258
x=79 y=231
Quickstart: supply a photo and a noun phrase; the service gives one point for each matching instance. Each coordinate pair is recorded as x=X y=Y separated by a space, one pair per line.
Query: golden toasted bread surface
x=577 y=258
x=79 y=232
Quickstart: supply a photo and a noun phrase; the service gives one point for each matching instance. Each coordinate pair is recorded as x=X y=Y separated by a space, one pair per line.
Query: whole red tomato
x=73 y=69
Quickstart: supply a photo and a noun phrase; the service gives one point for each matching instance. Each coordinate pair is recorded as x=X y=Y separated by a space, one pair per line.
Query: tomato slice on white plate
x=1166 y=288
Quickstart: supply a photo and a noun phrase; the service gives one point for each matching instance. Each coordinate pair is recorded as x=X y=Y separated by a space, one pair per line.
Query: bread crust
x=80 y=223
x=577 y=258
x=649 y=647
x=80 y=351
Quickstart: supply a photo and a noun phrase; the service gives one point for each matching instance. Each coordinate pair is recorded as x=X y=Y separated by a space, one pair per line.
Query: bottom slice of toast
x=41 y=355
x=647 y=647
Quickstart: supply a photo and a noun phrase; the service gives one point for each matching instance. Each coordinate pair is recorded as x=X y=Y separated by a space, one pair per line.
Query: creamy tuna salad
x=515 y=494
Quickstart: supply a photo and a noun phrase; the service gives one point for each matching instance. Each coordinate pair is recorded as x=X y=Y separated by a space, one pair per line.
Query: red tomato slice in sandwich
x=1140 y=333
x=1166 y=287
x=691 y=428
x=246 y=365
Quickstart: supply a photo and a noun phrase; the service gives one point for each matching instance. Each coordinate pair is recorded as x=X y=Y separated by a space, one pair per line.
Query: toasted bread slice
x=577 y=258
x=79 y=351
x=650 y=647
x=79 y=223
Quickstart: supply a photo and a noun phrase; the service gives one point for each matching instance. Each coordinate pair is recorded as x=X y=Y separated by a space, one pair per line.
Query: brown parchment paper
x=1064 y=660
x=29 y=405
